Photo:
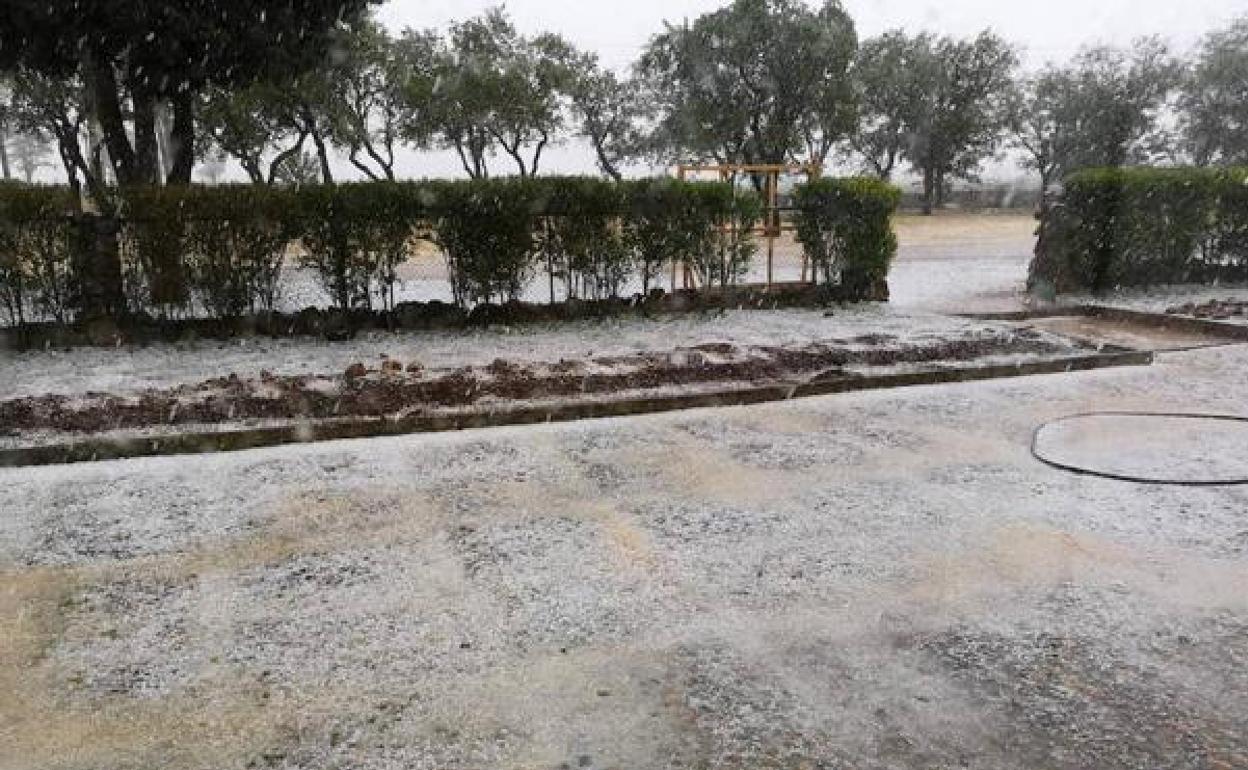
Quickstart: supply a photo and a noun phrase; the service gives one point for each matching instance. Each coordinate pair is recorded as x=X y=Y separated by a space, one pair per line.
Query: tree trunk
x=928 y=184
x=386 y=164
x=514 y=152
x=182 y=139
x=537 y=154
x=364 y=168
x=1043 y=204
x=146 y=149
x=71 y=173
x=106 y=104
x=463 y=159
x=4 y=150
x=253 y=172
x=604 y=163
x=940 y=190
x=282 y=157
x=322 y=154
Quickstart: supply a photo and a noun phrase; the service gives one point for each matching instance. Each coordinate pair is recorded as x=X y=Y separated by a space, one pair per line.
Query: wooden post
x=771 y=234
x=773 y=225
x=680 y=175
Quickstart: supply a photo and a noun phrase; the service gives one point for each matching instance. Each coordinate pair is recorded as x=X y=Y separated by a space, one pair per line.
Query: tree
x=963 y=113
x=744 y=84
x=265 y=125
x=1101 y=109
x=1214 y=101
x=467 y=72
x=59 y=108
x=500 y=91
x=421 y=59
x=610 y=112
x=305 y=107
x=1110 y=113
x=132 y=56
x=892 y=75
x=529 y=112
x=244 y=125
x=6 y=125
x=298 y=169
x=371 y=80
x=1034 y=110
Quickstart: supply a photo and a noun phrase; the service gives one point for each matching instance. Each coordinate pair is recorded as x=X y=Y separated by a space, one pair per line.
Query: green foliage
x=36 y=252
x=370 y=74
x=845 y=227
x=497 y=90
x=138 y=54
x=236 y=239
x=718 y=220
x=755 y=82
x=735 y=236
x=153 y=246
x=1144 y=226
x=582 y=238
x=486 y=228
x=892 y=77
x=937 y=102
x=1213 y=103
x=610 y=112
x=1100 y=110
x=355 y=236
x=671 y=220
x=221 y=249
x=248 y=124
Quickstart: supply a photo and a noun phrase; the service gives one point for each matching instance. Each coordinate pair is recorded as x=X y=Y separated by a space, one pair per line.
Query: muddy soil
x=394 y=390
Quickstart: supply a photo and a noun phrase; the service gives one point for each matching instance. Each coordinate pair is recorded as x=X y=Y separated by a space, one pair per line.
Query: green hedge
x=38 y=243
x=1124 y=227
x=845 y=227
x=220 y=250
x=235 y=248
x=355 y=236
x=582 y=242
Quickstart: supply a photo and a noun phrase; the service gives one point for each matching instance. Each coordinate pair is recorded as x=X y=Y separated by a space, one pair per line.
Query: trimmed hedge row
x=36 y=252
x=222 y=248
x=1124 y=227
x=845 y=227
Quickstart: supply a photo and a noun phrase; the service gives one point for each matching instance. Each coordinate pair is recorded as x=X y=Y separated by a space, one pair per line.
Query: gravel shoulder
x=878 y=580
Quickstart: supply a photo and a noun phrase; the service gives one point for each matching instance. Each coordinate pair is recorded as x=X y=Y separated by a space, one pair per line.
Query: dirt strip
x=830 y=382
x=393 y=391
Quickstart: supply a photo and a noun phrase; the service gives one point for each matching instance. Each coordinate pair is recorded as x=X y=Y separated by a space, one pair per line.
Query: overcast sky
x=617 y=29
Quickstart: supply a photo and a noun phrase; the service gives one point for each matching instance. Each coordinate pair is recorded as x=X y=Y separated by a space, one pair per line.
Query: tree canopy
x=1215 y=98
x=759 y=81
x=133 y=55
x=1101 y=109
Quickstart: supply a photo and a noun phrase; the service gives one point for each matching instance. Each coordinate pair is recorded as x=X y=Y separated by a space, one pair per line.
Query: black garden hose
x=1082 y=471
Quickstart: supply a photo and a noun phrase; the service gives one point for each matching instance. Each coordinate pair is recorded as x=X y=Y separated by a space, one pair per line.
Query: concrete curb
x=98 y=449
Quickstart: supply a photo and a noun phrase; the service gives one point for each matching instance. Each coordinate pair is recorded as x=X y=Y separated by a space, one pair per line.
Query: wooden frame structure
x=773 y=225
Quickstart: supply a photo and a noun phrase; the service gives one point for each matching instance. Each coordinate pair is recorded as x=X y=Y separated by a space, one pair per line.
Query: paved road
x=880 y=580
